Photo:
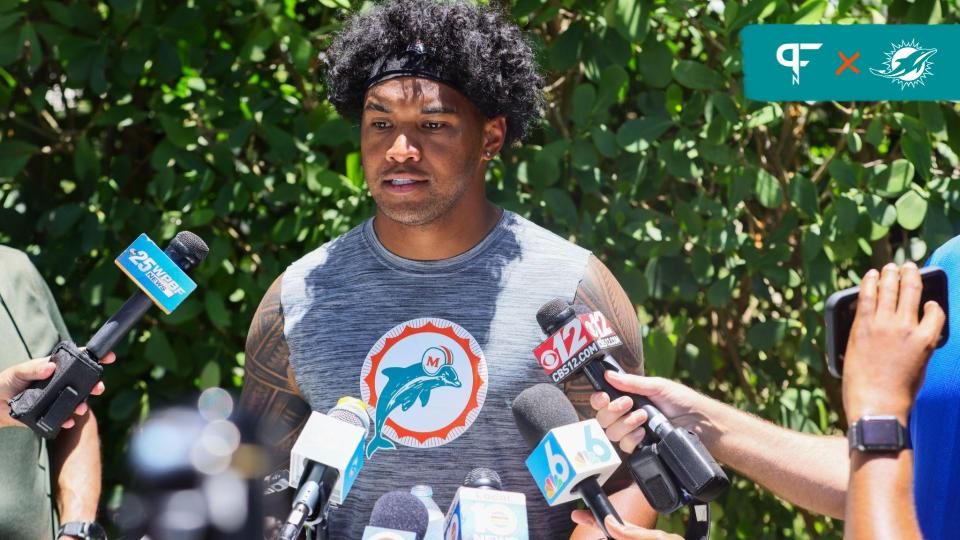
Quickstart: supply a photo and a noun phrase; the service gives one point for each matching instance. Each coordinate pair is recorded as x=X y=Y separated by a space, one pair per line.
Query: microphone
x=578 y=339
x=570 y=459
x=325 y=461
x=162 y=278
x=397 y=515
x=481 y=510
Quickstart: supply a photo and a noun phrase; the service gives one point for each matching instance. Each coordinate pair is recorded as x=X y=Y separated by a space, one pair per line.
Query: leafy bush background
x=728 y=221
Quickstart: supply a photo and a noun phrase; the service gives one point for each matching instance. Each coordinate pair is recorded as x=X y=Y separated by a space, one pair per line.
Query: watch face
x=880 y=434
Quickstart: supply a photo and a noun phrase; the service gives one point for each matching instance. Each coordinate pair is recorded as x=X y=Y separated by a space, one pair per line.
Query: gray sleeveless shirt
x=437 y=349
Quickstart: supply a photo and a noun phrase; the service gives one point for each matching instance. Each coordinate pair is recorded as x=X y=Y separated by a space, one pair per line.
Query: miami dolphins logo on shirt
x=425 y=382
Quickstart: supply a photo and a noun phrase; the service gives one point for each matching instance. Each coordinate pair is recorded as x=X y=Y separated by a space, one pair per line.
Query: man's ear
x=494 y=135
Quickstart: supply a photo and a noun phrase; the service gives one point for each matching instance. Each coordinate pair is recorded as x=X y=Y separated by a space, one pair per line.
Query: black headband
x=415 y=61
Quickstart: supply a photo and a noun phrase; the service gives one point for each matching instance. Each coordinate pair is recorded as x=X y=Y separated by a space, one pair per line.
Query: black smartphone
x=842 y=306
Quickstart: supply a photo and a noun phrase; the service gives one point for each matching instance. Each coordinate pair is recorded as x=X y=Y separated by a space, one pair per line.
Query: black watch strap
x=878 y=434
x=83 y=529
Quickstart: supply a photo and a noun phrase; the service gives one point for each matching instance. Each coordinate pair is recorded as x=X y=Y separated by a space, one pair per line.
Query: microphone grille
x=191 y=245
x=352 y=411
x=401 y=511
x=482 y=477
x=539 y=409
x=554 y=314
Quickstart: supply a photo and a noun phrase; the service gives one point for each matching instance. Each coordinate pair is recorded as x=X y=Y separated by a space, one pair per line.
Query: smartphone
x=842 y=306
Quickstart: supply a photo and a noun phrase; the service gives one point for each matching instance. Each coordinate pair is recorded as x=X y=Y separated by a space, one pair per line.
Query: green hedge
x=728 y=221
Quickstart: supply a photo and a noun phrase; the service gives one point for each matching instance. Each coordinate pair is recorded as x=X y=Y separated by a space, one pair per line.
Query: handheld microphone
x=397 y=515
x=162 y=278
x=578 y=339
x=481 y=510
x=570 y=459
x=325 y=461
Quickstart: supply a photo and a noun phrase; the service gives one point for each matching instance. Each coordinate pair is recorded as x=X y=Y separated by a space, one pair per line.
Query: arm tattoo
x=270 y=394
x=600 y=291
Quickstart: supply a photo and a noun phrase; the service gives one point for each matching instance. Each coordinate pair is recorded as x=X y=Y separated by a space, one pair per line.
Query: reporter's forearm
x=77 y=470
x=880 y=502
x=807 y=470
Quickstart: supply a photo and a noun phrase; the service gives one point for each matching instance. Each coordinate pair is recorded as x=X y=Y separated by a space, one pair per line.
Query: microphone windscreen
x=402 y=511
x=539 y=409
x=189 y=245
x=552 y=314
x=482 y=477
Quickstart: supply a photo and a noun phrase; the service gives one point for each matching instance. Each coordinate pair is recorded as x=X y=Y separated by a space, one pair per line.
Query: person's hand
x=889 y=347
x=16 y=379
x=620 y=531
x=676 y=401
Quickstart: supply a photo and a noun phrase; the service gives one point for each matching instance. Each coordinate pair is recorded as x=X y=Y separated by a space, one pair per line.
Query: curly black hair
x=475 y=46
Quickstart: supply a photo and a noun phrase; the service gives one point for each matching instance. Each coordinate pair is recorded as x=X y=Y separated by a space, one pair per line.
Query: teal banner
x=859 y=62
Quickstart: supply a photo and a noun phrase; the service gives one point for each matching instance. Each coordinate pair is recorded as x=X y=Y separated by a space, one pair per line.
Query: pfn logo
x=794 y=62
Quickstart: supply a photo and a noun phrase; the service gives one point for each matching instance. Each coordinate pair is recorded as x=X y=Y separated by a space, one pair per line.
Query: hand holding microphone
x=16 y=379
x=161 y=275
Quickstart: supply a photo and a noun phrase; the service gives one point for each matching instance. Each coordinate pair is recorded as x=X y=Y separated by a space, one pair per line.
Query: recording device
x=480 y=509
x=162 y=278
x=196 y=474
x=570 y=459
x=324 y=462
x=397 y=515
x=842 y=308
x=671 y=466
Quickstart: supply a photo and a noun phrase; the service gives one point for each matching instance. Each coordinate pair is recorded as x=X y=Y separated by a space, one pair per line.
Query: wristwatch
x=878 y=434
x=83 y=529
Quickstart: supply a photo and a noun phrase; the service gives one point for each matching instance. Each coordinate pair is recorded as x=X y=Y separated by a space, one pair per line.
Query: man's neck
x=443 y=238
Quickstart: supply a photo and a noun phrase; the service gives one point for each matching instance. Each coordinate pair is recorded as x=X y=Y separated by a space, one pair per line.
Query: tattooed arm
x=600 y=291
x=270 y=394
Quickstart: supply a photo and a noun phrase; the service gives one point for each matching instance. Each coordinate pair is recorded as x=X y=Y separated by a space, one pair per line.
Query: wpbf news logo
x=850 y=62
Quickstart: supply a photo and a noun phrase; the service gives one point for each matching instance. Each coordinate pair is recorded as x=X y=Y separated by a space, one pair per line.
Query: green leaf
x=893 y=180
x=216 y=309
x=654 y=63
x=766 y=335
x=911 y=209
x=811 y=12
x=14 y=156
x=560 y=204
x=636 y=135
x=803 y=195
x=660 y=354
x=918 y=152
x=565 y=50
x=604 y=140
x=629 y=18
x=159 y=351
x=768 y=190
x=696 y=76
x=583 y=99
x=86 y=162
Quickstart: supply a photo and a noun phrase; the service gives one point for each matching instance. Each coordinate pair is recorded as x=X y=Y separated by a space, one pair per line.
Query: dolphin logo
x=908 y=64
x=407 y=385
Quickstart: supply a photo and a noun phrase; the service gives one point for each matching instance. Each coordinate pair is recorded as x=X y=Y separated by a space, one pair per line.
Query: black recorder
x=842 y=307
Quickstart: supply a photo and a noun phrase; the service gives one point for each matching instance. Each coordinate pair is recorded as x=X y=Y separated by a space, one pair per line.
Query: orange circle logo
x=425 y=382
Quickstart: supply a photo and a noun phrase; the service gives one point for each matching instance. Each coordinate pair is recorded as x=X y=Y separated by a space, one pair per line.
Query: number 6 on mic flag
x=569 y=454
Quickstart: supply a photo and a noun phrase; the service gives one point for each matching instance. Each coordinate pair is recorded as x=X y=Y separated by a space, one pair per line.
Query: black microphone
x=47 y=404
x=539 y=411
x=187 y=250
x=578 y=339
x=397 y=515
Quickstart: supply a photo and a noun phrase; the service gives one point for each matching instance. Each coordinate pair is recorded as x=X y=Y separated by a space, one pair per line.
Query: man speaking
x=428 y=310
